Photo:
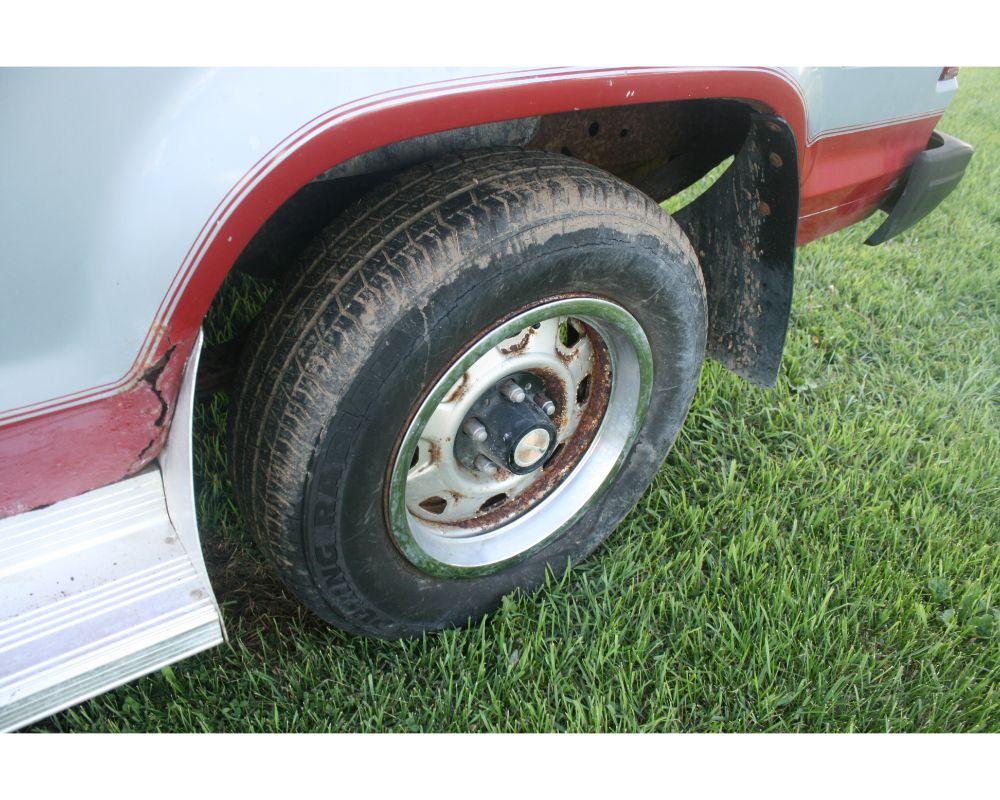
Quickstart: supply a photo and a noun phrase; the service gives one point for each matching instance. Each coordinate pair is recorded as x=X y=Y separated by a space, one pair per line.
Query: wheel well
x=661 y=148
x=743 y=227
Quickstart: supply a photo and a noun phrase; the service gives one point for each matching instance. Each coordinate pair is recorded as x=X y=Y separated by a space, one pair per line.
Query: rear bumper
x=929 y=180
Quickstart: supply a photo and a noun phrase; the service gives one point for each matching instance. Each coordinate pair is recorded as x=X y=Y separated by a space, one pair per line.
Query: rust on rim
x=453 y=512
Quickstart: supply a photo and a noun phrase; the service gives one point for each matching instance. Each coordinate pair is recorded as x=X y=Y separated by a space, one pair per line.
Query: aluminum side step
x=101 y=588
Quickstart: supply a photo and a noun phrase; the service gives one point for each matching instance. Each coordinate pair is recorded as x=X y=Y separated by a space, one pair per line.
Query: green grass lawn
x=823 y=556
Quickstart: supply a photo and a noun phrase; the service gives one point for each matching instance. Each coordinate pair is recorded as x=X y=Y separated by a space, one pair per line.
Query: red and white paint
x=57 y=445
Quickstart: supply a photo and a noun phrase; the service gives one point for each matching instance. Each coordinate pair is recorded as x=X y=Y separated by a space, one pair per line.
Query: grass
x=823 y=556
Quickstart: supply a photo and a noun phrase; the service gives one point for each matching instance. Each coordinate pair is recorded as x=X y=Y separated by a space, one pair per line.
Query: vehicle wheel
x=471 y=378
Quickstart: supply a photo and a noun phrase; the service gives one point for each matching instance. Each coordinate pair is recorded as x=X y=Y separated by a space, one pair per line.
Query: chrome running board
x=101 y=588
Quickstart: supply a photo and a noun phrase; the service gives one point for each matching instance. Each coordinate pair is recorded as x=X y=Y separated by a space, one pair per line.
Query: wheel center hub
x=508 y=428
x=533 y=445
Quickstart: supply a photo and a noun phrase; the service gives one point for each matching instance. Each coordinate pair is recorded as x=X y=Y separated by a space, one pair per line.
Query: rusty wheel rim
x=587 y=355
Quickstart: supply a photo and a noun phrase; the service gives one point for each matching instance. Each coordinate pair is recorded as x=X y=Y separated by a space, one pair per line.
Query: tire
x=380 y=307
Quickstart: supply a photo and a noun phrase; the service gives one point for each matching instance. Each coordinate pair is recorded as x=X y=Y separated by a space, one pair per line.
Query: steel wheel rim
x=466 y=550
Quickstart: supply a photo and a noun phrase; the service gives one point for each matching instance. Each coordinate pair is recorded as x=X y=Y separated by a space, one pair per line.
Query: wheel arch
x=337 y=144
x=189 y=108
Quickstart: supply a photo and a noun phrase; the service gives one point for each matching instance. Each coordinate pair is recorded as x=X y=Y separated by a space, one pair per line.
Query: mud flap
x=743 y=229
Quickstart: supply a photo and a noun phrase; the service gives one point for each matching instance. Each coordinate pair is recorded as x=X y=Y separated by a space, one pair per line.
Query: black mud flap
x=743 y=229
x=928 y=181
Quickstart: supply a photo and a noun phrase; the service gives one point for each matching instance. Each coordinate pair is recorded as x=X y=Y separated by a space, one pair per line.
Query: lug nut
x=512 y=391
x=483 y=464
x=545 y=404
x=474 y=429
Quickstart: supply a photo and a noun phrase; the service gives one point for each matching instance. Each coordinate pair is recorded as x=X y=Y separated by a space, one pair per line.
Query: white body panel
x=108 y=176
x=840 y=99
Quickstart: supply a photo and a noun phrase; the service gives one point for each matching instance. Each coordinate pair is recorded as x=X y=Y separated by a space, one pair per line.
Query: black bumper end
x=930 y=179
